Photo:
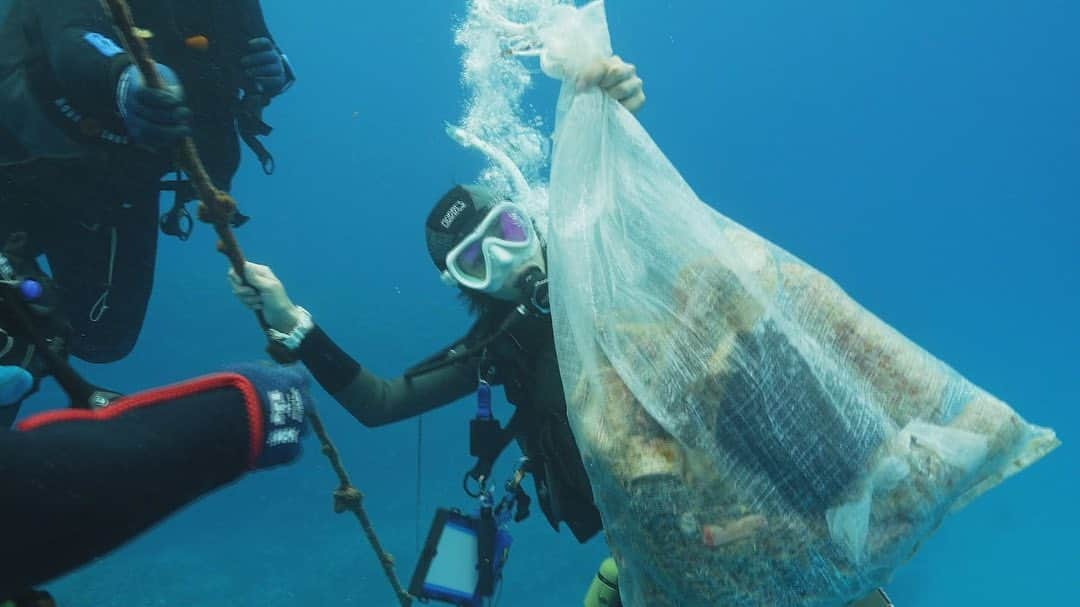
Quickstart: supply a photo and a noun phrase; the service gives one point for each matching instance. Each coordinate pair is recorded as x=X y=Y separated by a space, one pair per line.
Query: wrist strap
x=291 y=341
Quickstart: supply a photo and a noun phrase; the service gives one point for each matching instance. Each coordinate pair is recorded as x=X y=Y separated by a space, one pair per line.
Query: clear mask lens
x=471 y=261
x=507 y=232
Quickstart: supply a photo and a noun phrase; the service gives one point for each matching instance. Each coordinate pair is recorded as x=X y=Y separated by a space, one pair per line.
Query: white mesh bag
x=754 y=437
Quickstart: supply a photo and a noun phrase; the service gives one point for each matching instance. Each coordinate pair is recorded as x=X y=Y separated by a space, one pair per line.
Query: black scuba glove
x=156 y=118
x=265 y=66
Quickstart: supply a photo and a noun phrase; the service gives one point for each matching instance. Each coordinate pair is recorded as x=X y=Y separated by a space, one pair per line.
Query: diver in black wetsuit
x=78 y=483
x=84 y=143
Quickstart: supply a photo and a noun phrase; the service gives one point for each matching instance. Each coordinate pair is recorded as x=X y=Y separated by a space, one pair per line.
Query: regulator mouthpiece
x=535 y=285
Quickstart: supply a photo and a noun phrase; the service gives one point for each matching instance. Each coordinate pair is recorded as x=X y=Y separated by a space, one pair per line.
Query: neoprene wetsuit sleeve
x=83 y=53
x=375 y=401
x=77 y=484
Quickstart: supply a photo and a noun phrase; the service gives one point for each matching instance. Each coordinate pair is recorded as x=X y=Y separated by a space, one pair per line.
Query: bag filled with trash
x=754 y=437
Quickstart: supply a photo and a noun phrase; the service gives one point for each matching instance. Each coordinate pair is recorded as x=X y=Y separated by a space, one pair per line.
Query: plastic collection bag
x=754 y=437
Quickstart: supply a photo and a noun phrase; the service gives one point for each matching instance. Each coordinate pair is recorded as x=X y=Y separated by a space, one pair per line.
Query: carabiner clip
x=178 y=222
x=481 y=485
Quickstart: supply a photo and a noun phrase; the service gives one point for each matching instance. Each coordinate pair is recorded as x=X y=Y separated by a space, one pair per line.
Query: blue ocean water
x=923 y=154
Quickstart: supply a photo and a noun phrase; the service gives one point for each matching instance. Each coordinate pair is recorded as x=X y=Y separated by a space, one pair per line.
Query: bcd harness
x=487 y=441
x=487 y=438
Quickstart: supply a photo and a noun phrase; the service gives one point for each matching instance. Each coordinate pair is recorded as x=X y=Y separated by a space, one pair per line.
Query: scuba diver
x=80 y=483
x=85 y=143
x=491 y=251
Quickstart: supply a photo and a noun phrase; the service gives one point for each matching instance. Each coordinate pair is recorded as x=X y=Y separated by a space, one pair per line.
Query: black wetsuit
x=75 y=484
x=70 y=178
x=523 y=361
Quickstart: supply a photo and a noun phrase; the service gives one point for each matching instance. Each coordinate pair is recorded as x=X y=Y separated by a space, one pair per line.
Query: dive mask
x=494 y=251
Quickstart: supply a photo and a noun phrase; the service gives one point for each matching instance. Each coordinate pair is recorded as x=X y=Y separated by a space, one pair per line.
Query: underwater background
x=923 y=154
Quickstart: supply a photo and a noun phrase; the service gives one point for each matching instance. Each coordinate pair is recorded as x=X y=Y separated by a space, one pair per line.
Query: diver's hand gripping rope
x=218 y=208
